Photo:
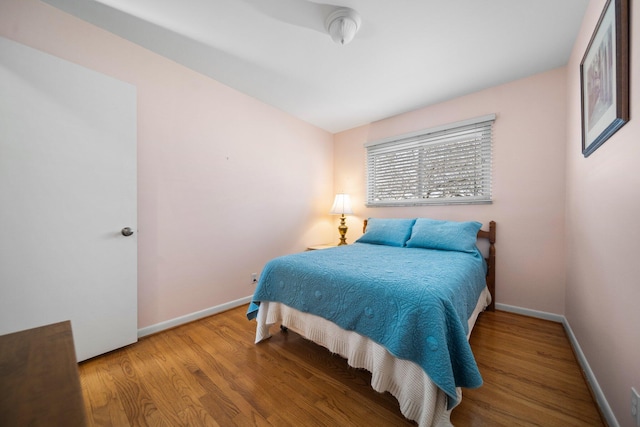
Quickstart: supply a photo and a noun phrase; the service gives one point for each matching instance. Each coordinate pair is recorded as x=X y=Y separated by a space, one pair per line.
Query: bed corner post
x=491 y=276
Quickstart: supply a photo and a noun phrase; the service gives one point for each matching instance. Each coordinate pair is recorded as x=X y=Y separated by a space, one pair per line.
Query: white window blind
x=443 y=165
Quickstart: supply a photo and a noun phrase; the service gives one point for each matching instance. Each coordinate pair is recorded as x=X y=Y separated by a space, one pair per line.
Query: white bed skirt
x=419 y=398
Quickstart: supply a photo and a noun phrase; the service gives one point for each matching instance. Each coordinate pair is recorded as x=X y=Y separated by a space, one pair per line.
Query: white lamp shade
x=341 y=205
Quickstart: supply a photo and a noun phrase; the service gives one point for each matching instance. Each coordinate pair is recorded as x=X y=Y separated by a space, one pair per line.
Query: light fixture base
x=342 y=24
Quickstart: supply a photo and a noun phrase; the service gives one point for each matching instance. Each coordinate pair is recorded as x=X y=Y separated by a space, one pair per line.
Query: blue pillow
x=389 y=232
x=444 y=235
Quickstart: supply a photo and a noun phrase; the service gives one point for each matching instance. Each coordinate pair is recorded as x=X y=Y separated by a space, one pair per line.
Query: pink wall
x=528 y=182
x=603 y=235
x=216 y=198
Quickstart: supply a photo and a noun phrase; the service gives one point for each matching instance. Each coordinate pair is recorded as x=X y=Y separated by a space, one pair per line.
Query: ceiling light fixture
x=342 y=25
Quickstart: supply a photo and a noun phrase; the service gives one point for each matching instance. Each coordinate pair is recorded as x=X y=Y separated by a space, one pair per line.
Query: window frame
x=422 y=141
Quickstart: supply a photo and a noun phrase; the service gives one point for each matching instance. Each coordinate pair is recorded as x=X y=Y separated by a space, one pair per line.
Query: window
x=443 y=165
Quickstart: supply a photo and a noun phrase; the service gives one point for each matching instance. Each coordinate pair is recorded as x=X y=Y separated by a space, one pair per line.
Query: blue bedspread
x=414 y=302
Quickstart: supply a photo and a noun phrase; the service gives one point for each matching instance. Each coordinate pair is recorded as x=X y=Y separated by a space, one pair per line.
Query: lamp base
x=342 y=229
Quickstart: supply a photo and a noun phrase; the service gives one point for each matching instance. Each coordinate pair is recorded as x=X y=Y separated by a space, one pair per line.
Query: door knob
x=127 y=231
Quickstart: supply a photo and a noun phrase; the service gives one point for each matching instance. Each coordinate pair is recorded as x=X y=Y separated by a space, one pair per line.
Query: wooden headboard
x=491 y=261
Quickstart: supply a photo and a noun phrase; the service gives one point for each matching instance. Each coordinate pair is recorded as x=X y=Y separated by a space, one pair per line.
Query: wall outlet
x=254 y=278
x=635 y=409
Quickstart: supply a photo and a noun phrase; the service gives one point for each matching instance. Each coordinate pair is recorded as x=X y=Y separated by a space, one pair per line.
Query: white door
x=67 y=189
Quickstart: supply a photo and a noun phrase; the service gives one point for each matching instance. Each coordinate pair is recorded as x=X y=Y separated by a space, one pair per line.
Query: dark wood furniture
x=39 y=381
x=491 y=262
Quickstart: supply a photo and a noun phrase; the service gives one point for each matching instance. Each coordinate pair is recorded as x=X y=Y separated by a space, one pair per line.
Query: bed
x=400 y=302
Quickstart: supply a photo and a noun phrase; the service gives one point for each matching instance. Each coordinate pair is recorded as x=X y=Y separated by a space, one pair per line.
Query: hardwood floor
x=531 y=376
x=210 y=373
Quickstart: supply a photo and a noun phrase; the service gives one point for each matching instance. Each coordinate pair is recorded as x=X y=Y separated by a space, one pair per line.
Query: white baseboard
x=158 y=327
x=531 y=313
x=601 y=400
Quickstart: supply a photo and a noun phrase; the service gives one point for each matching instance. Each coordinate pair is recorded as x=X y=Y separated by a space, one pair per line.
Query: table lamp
x=342 y=206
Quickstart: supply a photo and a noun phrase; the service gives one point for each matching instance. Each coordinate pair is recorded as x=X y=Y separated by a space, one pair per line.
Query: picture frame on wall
x=604 y=77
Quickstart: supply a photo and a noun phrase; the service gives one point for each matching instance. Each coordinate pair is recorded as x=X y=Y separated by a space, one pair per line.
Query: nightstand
x=320 y=247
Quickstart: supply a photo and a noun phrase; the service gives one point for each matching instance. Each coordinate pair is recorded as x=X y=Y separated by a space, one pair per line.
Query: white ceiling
x=408 y=53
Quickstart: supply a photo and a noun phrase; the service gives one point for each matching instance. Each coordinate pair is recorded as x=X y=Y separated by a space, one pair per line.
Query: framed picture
x=604 y=77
